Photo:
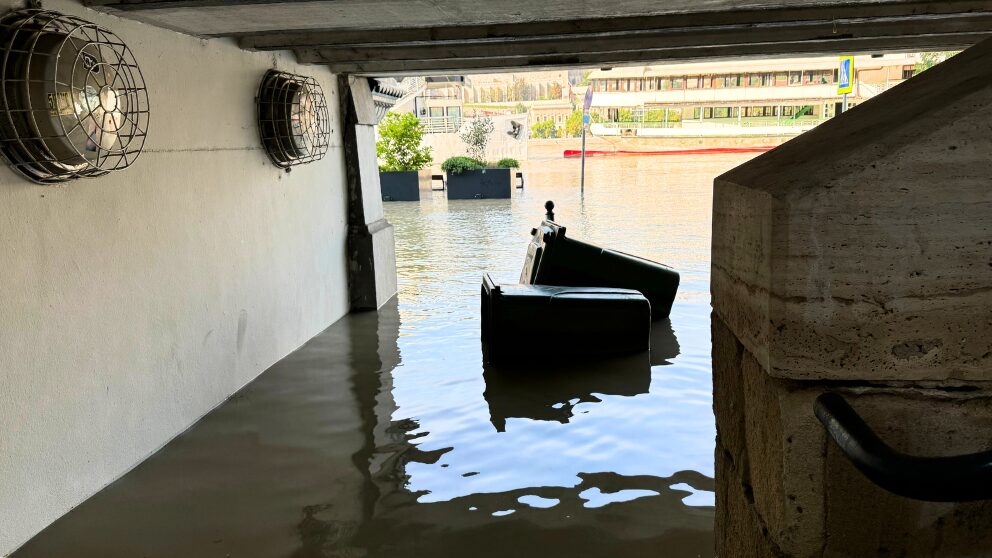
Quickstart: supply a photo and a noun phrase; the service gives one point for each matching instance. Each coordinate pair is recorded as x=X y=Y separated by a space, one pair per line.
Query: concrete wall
x=857 y=258
x=134 y=303
x=500 y=144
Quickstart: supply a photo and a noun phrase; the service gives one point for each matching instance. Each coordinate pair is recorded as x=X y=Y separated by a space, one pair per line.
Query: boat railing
x=710 y=123
x=629 y=125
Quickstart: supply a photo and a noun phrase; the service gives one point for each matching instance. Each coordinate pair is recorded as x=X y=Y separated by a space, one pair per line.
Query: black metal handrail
x=958 y=478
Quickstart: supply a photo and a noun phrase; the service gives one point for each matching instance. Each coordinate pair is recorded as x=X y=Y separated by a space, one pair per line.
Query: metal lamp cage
x=292 y=119
x=73 y=102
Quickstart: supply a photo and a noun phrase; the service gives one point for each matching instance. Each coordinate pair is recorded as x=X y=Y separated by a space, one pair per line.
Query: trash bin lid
x=541 y=243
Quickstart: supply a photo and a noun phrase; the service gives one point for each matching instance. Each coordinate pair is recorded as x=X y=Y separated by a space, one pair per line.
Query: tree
x=930 y=59
x=554 y=92
x=573 y=124
x=475 y=133
x=399 y=146
x=519 y=108
x=544 y=129
x=520 y=90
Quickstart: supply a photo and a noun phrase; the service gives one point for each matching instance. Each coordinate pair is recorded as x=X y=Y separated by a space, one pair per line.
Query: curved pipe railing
x=959 y=478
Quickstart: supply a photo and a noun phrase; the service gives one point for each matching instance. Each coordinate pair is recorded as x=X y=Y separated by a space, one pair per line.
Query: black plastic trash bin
x=560 y=323
x=554 y=259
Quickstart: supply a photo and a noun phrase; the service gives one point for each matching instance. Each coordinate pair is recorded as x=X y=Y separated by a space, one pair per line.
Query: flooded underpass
x=387 y=435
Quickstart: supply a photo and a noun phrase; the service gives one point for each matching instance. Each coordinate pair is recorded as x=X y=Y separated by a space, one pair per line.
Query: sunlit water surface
x=388 y=436
x=655 y=207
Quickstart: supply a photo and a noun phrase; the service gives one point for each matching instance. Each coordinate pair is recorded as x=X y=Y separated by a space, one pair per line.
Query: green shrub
x=544 y=129
x=658 y=115
x=399 y=146
x=507 y=163
x=460 y=164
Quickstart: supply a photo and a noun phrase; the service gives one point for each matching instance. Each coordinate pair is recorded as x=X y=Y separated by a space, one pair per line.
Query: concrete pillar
x=857 y=258
x=371 y=245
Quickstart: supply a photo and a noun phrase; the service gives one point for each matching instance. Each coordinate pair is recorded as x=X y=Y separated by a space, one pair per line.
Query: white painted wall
x=132 y=304
x=500 y=144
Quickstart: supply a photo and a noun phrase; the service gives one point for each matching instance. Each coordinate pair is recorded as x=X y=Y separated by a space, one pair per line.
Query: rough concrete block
x=767 y=429
x=862 y=250
x=738 y=526
x=865 y=520
x=728 y=391
x=803 y=494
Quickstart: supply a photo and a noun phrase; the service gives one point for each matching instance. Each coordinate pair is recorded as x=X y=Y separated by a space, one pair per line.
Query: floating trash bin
x=554 y=259
x=559 y=323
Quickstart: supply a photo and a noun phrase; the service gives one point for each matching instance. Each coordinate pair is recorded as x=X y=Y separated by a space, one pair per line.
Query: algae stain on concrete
x=242 y=328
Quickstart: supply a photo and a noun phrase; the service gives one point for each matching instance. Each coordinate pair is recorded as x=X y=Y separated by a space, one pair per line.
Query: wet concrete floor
x=387 y=435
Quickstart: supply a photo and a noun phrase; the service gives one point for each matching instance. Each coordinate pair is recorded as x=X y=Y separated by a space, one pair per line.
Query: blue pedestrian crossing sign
x=845 y=76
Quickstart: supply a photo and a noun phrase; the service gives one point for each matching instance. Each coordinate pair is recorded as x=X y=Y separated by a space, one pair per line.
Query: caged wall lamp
x=73 y=102
x=292 y=119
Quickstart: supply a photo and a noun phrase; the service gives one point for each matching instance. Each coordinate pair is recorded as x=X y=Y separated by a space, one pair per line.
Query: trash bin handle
x=588 y=292
x=958 y=478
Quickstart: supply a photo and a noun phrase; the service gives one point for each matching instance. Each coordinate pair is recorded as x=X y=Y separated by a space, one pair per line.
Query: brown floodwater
x=388 y=436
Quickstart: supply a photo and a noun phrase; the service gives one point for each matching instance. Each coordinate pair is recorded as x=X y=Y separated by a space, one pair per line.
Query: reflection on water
x=557 y=392
x=631 y=436
x=630 y=418
x=388 y=436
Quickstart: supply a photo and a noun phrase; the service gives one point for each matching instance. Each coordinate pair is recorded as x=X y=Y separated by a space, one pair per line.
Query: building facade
x=797 y=88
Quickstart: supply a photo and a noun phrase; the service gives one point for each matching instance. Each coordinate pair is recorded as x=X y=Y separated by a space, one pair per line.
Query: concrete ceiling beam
x=652 y=39
x=576 y=28
x=376 y=37
x=137 y=5
x=592 y=58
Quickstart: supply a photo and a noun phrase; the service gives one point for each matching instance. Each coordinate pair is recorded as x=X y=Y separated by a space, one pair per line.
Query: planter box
x=400 y=185
x=480 y=184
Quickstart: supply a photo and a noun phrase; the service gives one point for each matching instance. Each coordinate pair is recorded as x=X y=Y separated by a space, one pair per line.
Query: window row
x=751 y=112
x=769 y=79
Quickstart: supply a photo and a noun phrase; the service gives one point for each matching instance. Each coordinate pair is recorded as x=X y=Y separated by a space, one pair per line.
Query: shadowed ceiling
x=377 y=37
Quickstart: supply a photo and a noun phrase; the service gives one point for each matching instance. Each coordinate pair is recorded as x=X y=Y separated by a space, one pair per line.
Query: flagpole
x=582 y=175
x=585 y=126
